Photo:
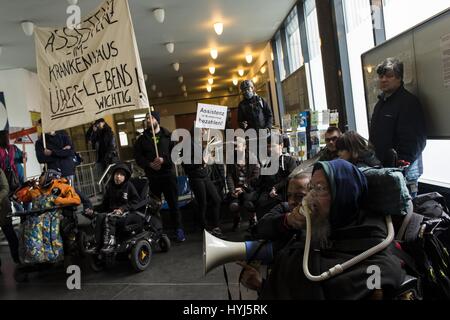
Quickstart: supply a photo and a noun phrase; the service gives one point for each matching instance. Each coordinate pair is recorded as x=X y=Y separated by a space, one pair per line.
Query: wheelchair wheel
x=164 y=243
x=141 y=255
x=96 y=263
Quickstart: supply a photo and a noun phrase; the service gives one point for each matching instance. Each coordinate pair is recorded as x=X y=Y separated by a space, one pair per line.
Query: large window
x=280 y=56
x=359 y=35
x=400 y=15
x=316 y=70
x=293 y=41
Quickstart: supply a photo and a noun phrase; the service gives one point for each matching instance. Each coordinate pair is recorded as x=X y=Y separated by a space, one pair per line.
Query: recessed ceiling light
x=153 y=87
x=183 y=87
x=145 y=77
x=208 y=88
x=263 y=69
x=176 y=66
x=170 y=46
x=185 y=94
x=241 y=72
x=249 y=58
x=159 y=14
x=160 y=94
x=255 y=79
x=214 y=53
x=235 y=81
x=180 y=79
x=218 y=27
x=212 y=69
x=210 y=80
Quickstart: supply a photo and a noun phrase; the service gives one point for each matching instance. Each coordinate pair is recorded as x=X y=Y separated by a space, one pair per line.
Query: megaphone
x=217 y=252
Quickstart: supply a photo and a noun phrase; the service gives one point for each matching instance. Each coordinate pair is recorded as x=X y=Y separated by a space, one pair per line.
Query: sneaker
x=110 y=246
x=180 y=237
x=236 y=223
x=217 y=232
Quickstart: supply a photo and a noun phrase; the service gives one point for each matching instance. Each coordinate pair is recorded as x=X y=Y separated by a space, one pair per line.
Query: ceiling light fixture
x=180 y=79
x=28 y=27
x=183 y=88
x=212 y=69
x=160 y=94
x=153 y=87
x=208 y=88
x=145 y=77
x=170 y=46
x=263 y=69
x=210 y=80
x=214 y=53
x=185 y=94
x=176 y=66
x=249 y=58
x=218 y=27
x=241 y=72
x=255 y=79
x=235 y=81
x=159 y=14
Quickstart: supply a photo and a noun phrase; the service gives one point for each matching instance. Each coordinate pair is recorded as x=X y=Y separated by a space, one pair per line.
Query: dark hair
x=333 y=129
x=360 y=149
x=391 y=64
x=4 y=138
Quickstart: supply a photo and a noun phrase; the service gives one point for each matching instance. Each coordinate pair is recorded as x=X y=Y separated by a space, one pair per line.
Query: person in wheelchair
x=116 y=210
x=340 y=231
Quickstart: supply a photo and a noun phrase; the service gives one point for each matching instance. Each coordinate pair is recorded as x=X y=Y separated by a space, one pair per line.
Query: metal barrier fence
x=89 y=156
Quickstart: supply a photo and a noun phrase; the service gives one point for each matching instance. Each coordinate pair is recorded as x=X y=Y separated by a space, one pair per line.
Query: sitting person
x=340 y=231
x=357 y=150
x=241 y=177
x=275 y=225
x=120 y=197
x=329 y=152
x=272 y=189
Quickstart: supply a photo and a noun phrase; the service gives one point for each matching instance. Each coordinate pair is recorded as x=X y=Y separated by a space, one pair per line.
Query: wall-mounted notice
x=211 y=116
x=92 y=71
x=445 y=51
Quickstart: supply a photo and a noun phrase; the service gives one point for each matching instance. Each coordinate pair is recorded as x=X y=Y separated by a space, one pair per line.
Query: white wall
x=21 y=90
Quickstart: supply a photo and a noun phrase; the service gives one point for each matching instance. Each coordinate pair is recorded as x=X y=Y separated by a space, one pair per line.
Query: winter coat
x=144 y=152
x=59 y=159
x=123 y=196
x=256 y=112
x=398 y=123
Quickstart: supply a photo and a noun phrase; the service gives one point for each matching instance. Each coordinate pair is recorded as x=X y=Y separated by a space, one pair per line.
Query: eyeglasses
x=332 y=139
x=318 y=189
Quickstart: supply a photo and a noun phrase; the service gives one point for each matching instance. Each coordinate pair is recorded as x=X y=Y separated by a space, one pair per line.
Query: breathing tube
x=340 y=268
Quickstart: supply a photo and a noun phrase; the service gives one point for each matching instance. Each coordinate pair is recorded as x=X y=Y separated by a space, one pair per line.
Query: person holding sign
x=152 y=152
x=253 y=111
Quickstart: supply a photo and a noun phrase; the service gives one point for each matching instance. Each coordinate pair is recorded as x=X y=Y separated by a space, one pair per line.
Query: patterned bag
x=41 y=234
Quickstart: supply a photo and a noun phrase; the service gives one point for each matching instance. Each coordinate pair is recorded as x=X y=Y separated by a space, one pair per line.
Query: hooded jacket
x=352 y=232
x=256 y=112
x=120 y=196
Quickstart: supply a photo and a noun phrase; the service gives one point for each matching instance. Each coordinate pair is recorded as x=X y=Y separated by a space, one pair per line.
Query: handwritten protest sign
x=92 y=71
x=211 y=116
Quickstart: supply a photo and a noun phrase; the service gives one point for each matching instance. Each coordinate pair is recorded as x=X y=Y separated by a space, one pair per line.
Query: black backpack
x=425 y=240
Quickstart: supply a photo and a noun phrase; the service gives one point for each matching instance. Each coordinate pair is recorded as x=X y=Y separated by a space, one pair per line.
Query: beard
x=321 y=230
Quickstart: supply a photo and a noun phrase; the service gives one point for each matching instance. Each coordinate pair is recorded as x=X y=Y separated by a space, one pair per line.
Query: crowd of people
x=333 y=189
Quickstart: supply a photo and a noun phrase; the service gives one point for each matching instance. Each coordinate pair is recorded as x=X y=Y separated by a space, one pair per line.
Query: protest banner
x=211 y=116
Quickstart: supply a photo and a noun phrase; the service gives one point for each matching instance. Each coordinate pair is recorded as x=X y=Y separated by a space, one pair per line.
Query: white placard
x=211 y=116
x=89 y=72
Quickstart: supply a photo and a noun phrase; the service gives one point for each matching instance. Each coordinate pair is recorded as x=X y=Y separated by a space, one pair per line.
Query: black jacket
x=252 y=175
x=193 y=170
x=144 y=151
x=398 y=123
x=105 y=145
x=60 y=159
x=123 y=196
x=256 y=112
